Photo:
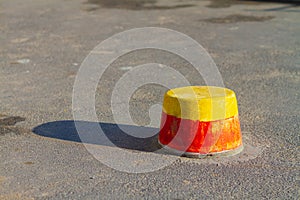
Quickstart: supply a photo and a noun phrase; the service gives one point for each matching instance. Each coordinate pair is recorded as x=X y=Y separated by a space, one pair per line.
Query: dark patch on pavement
x=66 y=130
x=10 y=121
x=228 y=3
x=6 y=130
x=7 y=125
x=285 y=8
x=135 y=4
x=238 y=18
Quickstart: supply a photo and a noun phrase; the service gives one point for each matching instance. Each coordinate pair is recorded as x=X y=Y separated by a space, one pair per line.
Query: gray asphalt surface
x=42 y=44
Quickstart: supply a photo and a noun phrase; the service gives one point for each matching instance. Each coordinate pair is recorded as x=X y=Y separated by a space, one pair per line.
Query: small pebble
x=126 y=68
x=22 y=61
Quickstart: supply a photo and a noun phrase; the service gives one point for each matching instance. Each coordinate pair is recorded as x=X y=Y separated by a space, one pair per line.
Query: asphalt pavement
x=255 y=45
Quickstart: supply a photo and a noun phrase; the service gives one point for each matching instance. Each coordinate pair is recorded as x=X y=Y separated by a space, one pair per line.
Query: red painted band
x=194 y=136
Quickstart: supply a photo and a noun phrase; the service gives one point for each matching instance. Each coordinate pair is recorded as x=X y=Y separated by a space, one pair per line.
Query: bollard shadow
x=89 y=133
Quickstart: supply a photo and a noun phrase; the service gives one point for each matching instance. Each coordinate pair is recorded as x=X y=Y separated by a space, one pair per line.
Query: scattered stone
x=21 y=61
x=19 y=40
x=28 y=163
x=126 y=68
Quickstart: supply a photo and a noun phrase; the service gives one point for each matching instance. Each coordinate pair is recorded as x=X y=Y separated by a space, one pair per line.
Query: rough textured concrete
x=255 y=45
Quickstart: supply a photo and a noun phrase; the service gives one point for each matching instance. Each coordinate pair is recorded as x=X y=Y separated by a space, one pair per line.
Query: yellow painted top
x=203 y=103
